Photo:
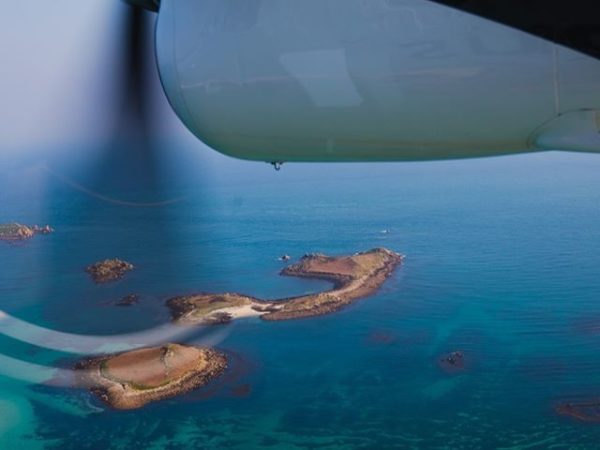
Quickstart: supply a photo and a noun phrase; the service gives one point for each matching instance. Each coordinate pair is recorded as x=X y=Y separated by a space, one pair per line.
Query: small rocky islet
x=108 y=270
x=14 y=232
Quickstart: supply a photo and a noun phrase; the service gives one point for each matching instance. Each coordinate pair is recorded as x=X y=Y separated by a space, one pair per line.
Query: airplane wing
x=570 y=23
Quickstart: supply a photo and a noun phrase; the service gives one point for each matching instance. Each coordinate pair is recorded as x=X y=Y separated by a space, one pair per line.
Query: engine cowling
x=354 y=80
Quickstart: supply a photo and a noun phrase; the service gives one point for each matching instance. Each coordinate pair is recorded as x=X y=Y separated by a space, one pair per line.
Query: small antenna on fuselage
x=277 y=165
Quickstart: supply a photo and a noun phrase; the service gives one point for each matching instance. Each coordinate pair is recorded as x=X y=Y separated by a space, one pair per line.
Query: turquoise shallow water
x=502 y=263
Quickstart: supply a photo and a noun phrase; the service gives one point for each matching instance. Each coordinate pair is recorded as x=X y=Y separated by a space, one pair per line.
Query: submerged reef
x=128 y=300
x=452 y=362
x=588 y=411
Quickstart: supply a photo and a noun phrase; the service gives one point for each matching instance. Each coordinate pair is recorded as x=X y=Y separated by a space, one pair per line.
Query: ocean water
x=502 y=263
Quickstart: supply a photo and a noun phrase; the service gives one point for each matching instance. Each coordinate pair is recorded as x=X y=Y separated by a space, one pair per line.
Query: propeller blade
x=151 y=5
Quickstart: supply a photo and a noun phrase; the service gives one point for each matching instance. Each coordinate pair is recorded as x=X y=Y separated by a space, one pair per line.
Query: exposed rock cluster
x=19 y=232
x=108 y=270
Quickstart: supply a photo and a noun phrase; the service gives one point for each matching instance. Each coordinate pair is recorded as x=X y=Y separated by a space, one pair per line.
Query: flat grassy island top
x=132 y=379
x=353 y=277
x=108 y=270
x=18 y=232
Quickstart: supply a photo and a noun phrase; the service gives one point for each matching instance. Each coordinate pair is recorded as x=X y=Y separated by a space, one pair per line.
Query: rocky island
x=132 y=379
x=353 y=277
x=19 y=232
x=108 y=270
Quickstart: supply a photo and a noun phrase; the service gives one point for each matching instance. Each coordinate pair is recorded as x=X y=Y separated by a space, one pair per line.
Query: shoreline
x=353 y=277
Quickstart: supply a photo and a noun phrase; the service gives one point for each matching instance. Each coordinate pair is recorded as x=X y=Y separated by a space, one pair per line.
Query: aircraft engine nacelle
x=362 y=80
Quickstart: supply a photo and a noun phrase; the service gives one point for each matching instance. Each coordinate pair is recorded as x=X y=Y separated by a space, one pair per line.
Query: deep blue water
x=502 y=262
